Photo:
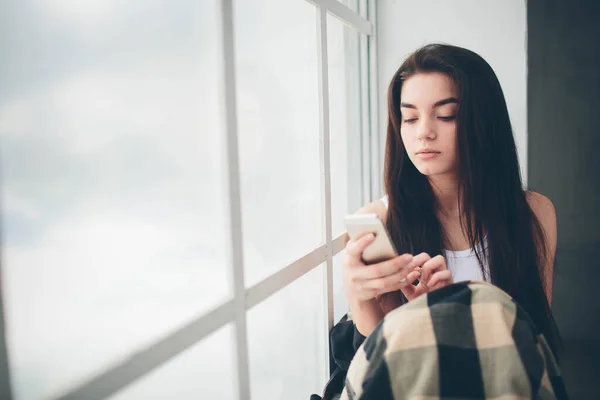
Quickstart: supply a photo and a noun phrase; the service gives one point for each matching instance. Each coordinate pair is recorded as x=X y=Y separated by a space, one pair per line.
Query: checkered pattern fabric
x=468 y=340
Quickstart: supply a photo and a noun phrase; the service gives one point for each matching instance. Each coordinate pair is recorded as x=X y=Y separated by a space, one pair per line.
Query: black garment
x=344 y=340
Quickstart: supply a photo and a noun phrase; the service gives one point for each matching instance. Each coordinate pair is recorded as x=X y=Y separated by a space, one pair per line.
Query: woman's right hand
x=365 y=282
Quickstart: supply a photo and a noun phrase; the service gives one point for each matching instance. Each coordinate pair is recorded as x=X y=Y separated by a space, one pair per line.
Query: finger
x=420 y=259
x=440 y=277
x=355 y=248
x=422 y=287
x=381 y=283
x=345 y=239
x=352 y=262
x=411 y=292
x=412 y=277
x=403 y=283
x=437 y=263
x=388 y=283
x=385 y=268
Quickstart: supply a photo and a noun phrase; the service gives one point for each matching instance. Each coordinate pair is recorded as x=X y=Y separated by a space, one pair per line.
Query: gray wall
x=564 y=164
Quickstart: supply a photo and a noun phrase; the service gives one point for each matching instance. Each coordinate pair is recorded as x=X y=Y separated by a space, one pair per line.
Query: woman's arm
x=373 y=290
x=544 y=210
x=367 y=314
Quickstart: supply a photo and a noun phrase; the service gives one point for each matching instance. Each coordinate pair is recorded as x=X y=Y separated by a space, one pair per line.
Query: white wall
x=496 y=30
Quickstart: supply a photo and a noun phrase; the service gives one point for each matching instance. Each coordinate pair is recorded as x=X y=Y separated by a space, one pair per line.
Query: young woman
x=455 y=207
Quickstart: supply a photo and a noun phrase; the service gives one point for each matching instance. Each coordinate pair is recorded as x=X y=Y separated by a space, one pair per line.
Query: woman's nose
x=425 y=129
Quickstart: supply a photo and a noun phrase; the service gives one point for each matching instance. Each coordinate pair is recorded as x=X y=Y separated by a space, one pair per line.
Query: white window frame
x=235 y=310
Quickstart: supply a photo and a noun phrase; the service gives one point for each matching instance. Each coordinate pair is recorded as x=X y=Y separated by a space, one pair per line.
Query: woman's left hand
x=434 y=275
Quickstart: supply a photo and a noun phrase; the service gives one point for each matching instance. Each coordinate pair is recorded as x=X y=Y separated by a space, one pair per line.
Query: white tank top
x=462 y=263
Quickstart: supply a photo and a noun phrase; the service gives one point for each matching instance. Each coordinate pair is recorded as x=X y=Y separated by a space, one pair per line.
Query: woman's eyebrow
x=440 y=103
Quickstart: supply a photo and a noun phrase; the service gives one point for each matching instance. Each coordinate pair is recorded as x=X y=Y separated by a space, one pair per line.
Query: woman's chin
x=432 y=171
x=435 y=166
x=428 y=171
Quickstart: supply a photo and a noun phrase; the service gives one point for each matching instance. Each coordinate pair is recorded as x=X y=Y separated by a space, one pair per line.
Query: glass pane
x=287 y=341
x=112 y=213
x=340 y=304
x=344 y=109
x=205 y=371
x=278 y=111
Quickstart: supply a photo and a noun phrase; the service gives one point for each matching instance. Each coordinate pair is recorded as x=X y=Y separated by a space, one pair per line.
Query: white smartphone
x=382 y=248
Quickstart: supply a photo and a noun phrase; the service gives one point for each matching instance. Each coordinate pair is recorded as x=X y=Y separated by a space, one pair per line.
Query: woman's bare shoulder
x=375 y=207
x=540 y=205
x=545 y=212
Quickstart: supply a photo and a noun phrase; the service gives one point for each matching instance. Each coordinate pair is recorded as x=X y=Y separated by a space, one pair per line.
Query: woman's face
x=429 y=106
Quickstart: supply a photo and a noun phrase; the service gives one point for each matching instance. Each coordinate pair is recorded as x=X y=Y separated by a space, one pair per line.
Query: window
x=174 y=177
x=277 y=84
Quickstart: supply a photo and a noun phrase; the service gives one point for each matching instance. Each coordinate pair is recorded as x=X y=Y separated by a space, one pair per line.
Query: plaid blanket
x=468 y=340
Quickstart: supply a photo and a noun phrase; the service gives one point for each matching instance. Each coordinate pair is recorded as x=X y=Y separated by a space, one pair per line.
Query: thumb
x=410 y=292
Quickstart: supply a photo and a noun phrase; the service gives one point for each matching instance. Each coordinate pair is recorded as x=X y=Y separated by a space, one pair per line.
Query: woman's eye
x=410 y=120
x=447 y=118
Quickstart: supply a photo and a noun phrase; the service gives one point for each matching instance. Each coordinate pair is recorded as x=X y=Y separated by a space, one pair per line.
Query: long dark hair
x=492 y=200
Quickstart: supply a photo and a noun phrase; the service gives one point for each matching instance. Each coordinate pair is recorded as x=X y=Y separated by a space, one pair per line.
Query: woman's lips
x=427 y=155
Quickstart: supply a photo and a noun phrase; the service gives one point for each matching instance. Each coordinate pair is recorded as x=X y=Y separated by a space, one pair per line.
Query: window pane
x=205 y=371
x=344 y=109
x=112 y=214
x=278 y=111
x=287 y=341
x=340 y=303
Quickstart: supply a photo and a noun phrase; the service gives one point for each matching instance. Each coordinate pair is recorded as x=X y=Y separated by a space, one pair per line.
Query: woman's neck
x=445 y=189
